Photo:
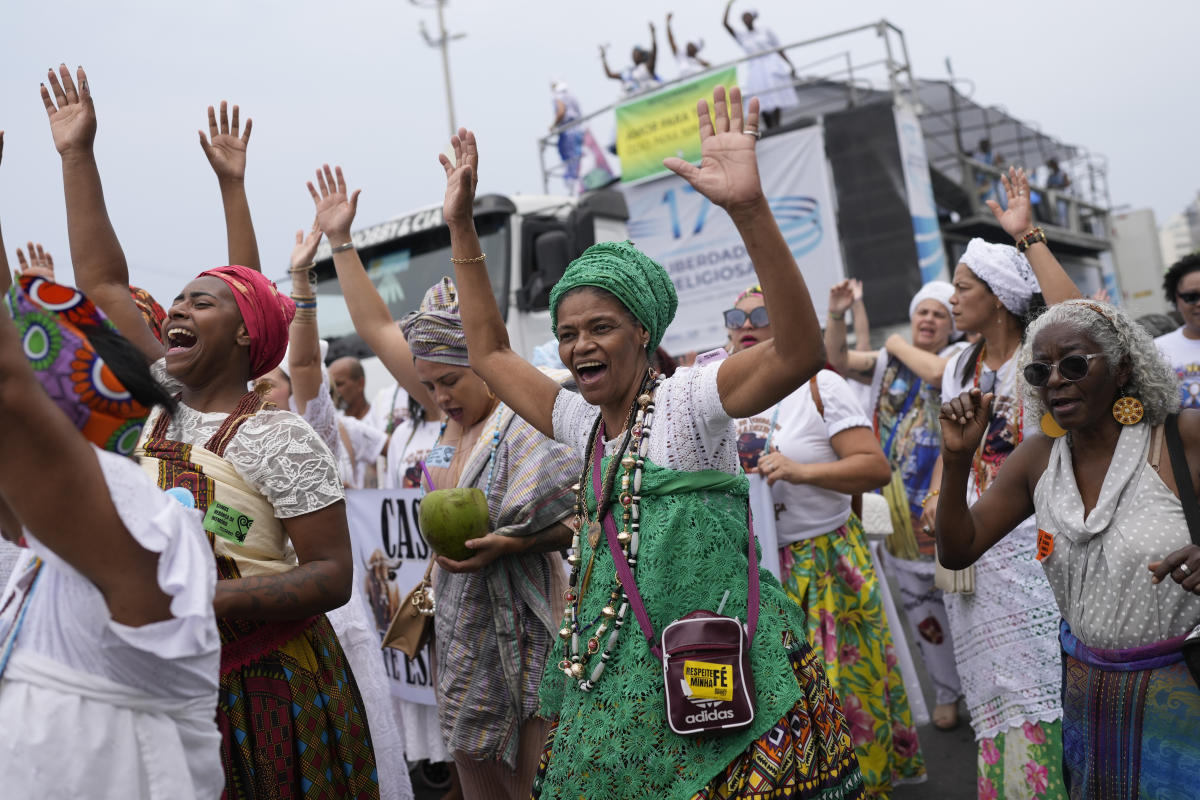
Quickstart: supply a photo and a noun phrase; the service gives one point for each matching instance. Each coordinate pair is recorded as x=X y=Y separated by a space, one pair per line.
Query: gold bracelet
x=930 y=496
x=310 y=265
x=475 y=260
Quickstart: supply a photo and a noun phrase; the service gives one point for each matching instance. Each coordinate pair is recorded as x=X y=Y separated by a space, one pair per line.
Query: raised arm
x=372 y=320
x=671 y=36
x=928 y=366
x=725 y=20
x=858 y=310
x=966 y=533
x=226 y=153
x=604 y=63
x=522 y=386
x=652 y=61
x=40 y=262
x=304 y=340
x=5 y=275
x=1017 y=221
x=37 y=441
x=754 y=379
x=96 y=255
x=856 y=365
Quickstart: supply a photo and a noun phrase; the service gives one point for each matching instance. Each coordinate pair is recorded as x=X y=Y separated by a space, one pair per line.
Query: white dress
x=93 y=708
x=359 y=639
x=1006 y=633
x=769 y=77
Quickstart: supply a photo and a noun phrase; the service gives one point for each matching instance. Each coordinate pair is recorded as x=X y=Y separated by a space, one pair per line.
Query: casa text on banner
x=390 y=557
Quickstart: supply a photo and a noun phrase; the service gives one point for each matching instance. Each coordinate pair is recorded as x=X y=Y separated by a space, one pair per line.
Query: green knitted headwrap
x=638 y=281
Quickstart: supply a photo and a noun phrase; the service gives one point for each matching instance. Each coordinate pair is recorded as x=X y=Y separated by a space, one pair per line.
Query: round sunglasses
x=1072 y=368
x=736 y=318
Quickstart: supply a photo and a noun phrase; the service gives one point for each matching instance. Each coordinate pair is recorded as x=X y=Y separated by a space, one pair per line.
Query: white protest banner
x=390 y=557
x=701 y=250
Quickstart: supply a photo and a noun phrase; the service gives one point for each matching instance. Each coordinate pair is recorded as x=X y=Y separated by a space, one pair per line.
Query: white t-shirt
x=390 y=405
x=881 y=364
x=411 y=443
x=367 y=442
x=797 y=430
x=688 y=65
x=93 y=708
x=1183 y=354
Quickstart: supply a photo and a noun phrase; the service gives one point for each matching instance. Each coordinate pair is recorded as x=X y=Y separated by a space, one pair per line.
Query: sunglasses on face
x=1072 y=368
x=1191 y=298
x=736 y=318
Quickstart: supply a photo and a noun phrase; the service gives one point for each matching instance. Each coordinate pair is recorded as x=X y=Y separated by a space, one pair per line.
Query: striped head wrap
x=635 y=279
x=435 y=331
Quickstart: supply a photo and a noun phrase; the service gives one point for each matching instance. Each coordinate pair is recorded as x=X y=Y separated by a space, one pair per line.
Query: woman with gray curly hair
x=1108 y=509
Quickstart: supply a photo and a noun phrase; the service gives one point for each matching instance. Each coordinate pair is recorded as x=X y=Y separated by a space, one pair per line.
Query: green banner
x=663 y=124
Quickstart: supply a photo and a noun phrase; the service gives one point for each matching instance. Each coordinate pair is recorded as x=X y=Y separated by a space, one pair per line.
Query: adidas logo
x=709 y=715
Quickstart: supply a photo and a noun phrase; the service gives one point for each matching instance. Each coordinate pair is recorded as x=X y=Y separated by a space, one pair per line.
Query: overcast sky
x=353 y=83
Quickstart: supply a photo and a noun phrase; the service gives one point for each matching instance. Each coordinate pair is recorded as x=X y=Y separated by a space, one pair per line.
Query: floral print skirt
x=1022 y=763
x=832 y=578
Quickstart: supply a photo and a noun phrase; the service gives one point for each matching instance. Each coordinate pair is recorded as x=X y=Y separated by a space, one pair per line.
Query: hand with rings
x=1183 y=566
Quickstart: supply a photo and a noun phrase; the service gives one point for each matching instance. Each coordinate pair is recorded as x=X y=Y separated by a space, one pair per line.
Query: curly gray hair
x=1152 y=379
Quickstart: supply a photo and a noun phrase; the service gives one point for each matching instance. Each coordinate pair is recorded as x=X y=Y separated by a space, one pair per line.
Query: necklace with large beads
x=580 y=651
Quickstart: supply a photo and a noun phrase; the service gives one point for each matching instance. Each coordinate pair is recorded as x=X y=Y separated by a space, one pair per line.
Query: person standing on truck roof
x=641 y=75
x=689 y=61
x=771 y=74
x=570 y=140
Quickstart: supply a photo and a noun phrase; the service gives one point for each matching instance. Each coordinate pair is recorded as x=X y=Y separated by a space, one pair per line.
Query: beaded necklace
x=977 y=461
x=491 y=456
x=612 y=616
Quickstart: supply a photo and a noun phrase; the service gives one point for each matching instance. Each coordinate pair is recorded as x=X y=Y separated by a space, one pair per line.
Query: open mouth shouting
x=590 y=372
x=179 y=340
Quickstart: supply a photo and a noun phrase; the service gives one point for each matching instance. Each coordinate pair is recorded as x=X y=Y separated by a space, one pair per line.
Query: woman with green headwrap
x=609 y=312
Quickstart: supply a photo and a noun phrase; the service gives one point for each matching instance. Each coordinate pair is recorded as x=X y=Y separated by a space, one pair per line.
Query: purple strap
x=625 y=575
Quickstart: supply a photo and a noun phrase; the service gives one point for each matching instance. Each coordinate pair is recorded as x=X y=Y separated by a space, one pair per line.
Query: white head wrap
x=1005 y=270
x=934 y=290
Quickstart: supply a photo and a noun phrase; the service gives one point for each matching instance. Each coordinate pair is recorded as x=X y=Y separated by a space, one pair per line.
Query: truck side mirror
x=551 y=255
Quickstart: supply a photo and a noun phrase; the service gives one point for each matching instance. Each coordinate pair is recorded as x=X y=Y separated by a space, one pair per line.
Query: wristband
x=475 y=260
x=307 y=267
x=341 y=248
x=1033 y=237
x=837 y=317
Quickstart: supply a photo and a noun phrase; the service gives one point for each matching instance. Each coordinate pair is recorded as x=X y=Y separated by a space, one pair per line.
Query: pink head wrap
x=265 y=311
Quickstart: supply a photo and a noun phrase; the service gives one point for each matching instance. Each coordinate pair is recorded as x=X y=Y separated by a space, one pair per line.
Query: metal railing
x=854 y=76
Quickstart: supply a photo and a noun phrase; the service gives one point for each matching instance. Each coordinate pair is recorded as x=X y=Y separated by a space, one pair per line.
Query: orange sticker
x=1045 y=544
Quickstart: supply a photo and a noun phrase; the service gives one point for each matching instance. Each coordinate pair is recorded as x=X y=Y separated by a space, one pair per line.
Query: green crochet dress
x=614 y=741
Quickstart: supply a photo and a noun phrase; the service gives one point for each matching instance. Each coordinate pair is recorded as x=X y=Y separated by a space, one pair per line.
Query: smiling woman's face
x=202 y=330
x=602 y=344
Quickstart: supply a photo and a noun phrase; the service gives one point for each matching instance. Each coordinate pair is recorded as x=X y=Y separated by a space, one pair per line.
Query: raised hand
x=462 y=178
x=306 y=247
x=40 y=263
x=1017 y=219
x=226 y=152
x=335 y=206
x=841 y=297
x=857 y=286
x=71 y=111
x=964 y=422
x=728 y=171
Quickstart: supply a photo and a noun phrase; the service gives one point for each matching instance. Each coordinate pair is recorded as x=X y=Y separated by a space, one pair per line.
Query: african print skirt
x=291 y=717
x=806 y=755
x=1131 y=722
x=833 y=579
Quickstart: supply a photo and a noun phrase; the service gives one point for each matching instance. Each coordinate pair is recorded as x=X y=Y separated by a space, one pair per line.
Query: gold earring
x=1050 y=426
x=1128 y=410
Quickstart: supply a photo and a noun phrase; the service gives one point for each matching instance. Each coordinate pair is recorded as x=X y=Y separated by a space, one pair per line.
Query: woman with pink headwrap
x=274 y=506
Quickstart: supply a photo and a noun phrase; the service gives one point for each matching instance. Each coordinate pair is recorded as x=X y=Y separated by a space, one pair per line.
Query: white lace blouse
x=275 y=451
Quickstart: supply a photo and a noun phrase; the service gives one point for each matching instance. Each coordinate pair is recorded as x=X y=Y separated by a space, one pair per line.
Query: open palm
x=462 y=177
x=224 y=147
x=1017 y=219
x=335 y=206
x=728 y=170
x=71 y=112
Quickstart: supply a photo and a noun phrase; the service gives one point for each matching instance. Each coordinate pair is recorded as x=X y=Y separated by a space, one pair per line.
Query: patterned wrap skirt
x=832 y=577
x=1131 y=722
x=806 y=755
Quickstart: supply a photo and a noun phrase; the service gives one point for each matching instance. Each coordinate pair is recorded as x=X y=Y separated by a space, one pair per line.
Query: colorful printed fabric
x=906 y=424
x=832 y=578
x=51 y=319
x=292 y=724
x=806 y=754
x=151 y=311
x=1024 y=763
x=1131 y=722
x=435 y=330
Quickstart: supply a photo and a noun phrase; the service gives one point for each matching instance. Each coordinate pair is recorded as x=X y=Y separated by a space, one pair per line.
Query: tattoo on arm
x=296 y=594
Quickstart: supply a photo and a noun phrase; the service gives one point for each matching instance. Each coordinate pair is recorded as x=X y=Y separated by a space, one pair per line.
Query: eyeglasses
x=1191 y=298
x=1072 y=368
x=736 y=318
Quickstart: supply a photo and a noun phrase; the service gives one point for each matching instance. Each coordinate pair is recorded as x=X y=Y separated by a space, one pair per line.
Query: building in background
x=1180 y=234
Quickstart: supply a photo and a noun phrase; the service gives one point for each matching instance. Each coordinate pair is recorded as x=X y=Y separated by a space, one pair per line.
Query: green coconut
x=450 y=517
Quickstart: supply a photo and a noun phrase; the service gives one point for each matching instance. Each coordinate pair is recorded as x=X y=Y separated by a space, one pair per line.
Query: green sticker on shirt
x=228 y=523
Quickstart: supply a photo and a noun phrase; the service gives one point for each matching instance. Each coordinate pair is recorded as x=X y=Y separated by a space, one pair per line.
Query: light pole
x=442 y=41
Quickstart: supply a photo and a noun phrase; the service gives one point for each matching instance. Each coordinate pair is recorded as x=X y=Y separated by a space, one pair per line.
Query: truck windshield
x=404 y=268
